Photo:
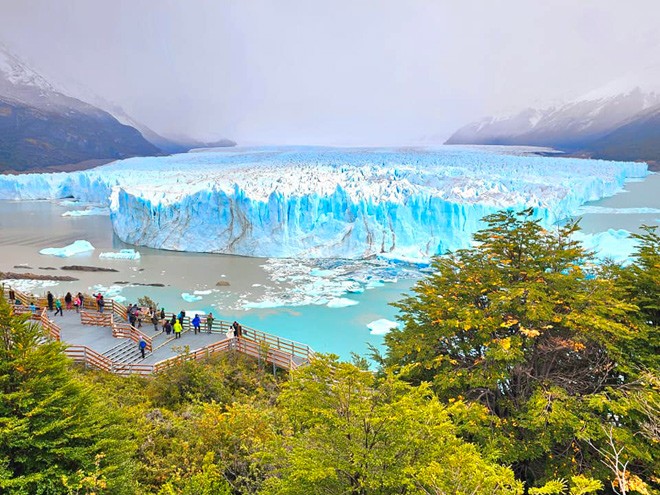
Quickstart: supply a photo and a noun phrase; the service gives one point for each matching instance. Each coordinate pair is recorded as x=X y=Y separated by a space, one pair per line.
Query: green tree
x=351 y=433
x=54 y=432
x=528 y=327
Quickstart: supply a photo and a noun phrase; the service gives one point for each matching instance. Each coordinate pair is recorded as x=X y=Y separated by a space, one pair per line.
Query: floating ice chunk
x=123 y=254
x=95 y=211
x=341 y=302
x=202 y=292
x=108 y=292
x=30 y=286
x=190 y=297
x=119 y=299
x=382 y=326
x=613 y=244
x=77 y=247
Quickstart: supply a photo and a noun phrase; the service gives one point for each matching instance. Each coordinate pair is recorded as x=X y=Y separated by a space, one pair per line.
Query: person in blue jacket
x=197 y=323
x=142 y=345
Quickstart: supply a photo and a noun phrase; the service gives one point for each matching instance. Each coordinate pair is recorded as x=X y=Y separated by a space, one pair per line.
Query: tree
x=54 y=432
x=351 y=433
x=528 y=327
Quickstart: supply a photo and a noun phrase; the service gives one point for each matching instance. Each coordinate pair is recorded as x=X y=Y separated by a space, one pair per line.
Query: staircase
x=126 y=351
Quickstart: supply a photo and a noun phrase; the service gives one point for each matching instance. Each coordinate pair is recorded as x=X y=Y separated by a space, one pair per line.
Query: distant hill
x=618 y=121
x=41 y=127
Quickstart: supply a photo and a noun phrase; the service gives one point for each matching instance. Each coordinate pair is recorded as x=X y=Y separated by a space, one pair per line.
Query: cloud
x=330 y=72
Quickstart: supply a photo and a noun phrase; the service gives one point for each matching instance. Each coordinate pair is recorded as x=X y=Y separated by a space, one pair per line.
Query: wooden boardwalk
x=106 y=341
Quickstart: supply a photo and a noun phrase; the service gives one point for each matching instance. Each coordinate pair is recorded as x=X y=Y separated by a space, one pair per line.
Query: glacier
x=315 y=202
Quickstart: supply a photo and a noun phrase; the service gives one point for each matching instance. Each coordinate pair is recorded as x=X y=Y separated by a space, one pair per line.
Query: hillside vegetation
x=521 y=367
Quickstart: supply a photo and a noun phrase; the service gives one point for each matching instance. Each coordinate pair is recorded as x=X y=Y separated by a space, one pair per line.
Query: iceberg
x=616 y=245
x=341 y=302
x=123 y=254
x=101 y=211
x=186 y=296
x=314 y=202
x=382 y=326
x=77 y=247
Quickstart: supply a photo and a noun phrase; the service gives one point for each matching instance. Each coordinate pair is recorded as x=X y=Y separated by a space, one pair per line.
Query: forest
x=521 y=366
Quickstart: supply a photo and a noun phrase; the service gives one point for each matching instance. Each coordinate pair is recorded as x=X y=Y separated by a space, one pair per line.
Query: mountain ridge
x=592 y=125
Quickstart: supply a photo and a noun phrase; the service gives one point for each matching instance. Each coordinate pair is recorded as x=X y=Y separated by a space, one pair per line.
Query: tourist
x=98 y=301
x=162 y=313
x=132 y=319
x=182 y=315
x=77 y=303
x=197 y=323
x=12 y=295
x=82 y=300
x=209 y=322
x=173 y=320
x=101 y=303
x=167 y=326
x=33 y=308
x=154 y=320
x=68 y=299
x=238 y=329
x=142 y=345
x=58 y=305
x=50 y=299
x=177 y=329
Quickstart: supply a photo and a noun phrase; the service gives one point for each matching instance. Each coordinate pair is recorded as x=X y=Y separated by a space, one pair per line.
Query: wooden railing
x=52 y=328
x=127 y=331
x=98 y=319
x=204 y=352
x=89 y=357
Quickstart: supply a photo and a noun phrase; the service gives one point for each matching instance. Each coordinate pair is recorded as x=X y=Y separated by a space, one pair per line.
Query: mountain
x=638 y=137
x=616 y=120
x=42 y=128
x=168 y=144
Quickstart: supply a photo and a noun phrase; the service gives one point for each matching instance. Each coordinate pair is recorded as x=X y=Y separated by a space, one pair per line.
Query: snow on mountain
x=575 y=124
x=18 y=74
x=42 y=127
x=403 y=203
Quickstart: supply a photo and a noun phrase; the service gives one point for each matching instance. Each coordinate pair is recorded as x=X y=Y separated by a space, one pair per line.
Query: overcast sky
x=330 y=71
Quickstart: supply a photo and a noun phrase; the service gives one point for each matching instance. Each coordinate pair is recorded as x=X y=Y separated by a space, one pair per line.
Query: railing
x=89 y=357
x=128 y=331
x=98 y=319
x=52 y=328
x=204 y=352
x=302 y=351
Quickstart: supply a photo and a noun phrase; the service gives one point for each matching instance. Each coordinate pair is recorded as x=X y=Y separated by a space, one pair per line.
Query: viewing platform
x=107 y=341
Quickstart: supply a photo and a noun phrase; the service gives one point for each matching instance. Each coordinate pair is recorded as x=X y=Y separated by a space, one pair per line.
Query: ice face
x=401 y=204
x=77 y=247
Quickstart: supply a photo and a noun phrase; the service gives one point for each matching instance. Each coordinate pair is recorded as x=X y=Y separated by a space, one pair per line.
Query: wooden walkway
x=106 y=341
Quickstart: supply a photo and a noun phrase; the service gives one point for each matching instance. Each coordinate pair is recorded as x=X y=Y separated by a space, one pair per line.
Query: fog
x=330 y=72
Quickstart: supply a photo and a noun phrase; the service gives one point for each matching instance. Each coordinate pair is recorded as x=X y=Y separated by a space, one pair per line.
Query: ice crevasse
x=326 y=202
